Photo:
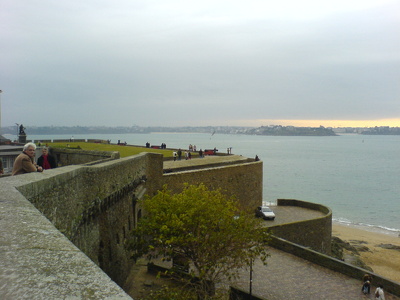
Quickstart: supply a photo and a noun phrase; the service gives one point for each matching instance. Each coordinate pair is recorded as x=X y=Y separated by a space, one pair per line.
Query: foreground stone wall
x=243 y=180
x=314 y=233
x=36 y=260
x=95 y=206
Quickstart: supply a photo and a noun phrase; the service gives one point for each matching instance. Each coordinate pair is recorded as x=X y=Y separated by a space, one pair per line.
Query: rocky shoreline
x=376 y=252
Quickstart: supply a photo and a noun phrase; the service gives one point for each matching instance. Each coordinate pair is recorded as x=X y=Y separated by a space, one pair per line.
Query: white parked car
x=265 y=212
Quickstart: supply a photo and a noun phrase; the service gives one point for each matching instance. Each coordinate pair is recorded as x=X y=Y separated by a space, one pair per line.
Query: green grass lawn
x=123 y=150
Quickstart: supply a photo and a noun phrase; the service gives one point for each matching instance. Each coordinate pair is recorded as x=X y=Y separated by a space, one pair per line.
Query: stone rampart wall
x=315 y=233
x=66 y=156
x=210 y=165
x=243 y=180
x=36 y=260
x=94 y=206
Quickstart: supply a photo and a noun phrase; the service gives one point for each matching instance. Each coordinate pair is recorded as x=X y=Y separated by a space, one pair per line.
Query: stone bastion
x=63 y=231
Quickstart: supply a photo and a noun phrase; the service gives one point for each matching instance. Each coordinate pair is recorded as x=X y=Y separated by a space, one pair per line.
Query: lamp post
x=17 y=130
x=251 y=276
x=252 y=258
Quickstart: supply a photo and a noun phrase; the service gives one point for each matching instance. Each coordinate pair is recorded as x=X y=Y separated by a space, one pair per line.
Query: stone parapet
x=71 y=156
x=36 y=260
x=243 y=180
x=93 y=205
x=315 y=233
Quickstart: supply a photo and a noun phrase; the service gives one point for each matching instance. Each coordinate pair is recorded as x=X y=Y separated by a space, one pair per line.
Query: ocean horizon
x=357 y=176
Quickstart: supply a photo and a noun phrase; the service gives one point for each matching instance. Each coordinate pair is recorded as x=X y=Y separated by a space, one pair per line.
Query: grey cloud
x=129 y=63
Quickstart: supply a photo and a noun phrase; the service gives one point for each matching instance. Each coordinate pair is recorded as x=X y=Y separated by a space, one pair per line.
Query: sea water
x=357 y=176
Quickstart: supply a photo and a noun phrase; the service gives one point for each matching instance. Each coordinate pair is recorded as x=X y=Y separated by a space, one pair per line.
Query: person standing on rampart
x=179 y=154
x=24 y=163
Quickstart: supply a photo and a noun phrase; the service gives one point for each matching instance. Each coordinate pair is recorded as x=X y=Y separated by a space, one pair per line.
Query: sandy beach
x=385 y=262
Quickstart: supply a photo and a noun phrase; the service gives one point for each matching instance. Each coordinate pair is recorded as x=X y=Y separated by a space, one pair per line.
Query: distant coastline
x=271 y=130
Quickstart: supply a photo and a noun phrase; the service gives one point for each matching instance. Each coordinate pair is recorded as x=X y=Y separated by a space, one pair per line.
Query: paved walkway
x=289 y=277
x=290 y=214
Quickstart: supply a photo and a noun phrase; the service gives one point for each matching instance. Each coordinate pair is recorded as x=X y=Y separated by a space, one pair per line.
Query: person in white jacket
x=379 y=294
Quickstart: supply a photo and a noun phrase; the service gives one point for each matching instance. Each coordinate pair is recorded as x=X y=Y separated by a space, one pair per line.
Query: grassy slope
x=123 y=150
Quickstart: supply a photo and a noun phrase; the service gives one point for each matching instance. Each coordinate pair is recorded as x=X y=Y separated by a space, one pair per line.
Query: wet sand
x=385 y=262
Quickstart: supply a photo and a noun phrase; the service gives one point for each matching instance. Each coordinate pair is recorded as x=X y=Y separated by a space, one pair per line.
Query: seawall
x=315 y=233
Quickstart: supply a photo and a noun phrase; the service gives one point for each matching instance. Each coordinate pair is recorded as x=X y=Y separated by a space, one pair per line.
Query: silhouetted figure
x=179 y=154
x=21 y=129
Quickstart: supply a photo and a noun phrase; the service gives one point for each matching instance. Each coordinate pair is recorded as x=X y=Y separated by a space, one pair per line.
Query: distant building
x=8 y=154
x=4 y=140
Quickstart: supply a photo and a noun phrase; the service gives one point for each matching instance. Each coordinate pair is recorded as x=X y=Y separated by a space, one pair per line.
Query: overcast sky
x=178 y=63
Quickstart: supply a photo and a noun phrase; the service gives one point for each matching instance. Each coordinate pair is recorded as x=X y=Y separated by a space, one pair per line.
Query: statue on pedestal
x=22 y=134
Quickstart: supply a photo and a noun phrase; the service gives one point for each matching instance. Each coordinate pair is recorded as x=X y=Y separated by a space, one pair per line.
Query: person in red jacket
x=46 y=161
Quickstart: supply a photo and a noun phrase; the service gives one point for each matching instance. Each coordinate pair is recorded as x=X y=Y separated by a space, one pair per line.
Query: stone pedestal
x=22 y=138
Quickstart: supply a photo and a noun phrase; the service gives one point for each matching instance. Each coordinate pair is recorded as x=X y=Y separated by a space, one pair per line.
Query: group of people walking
x=177 y=155
x=366 y=288
x=163 y=146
